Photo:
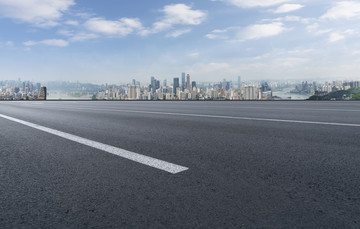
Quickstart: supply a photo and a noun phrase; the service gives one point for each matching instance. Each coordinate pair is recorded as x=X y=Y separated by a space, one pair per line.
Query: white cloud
x=288 y=8
x=176 y=14
x=38 y=12
x=30 y=43
x=338 y=36
x=67 y=33
x=72 y=22
x=315 y=29
x=215 y=36
x=323 y=31
x=121 y=27
x=221 y=33
x=50 y=42
x=334 y=37
x=343 y=9
x=55 y=42
x=251 y=32
x=83 y=36
x=6 y=44
x=290 y=19
x=255 y=3
x=178 y=33
x=312 y=27
x=261 y=30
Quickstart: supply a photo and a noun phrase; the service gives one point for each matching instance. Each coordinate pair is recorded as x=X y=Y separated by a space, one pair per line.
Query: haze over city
x=116 y=41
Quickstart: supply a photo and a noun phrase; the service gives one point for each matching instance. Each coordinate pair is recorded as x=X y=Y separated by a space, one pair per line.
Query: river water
x=285 y=94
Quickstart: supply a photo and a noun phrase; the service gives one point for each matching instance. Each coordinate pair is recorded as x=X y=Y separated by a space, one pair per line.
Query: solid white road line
x=213 y=116
x=149 y=161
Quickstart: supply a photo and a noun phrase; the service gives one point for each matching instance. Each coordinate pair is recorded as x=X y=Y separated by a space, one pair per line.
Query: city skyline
x=77 y=40
x=158 y=89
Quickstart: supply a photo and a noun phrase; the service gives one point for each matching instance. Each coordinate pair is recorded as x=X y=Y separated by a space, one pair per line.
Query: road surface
x=179 y=164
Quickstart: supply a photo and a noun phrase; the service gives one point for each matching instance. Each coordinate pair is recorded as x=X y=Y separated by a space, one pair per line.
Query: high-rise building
x=265 y=87
x=133 y=92
x=239 y=82
x=227 y=85
x=42 y=94
x=250 y=93
x=176 y=85
x=183 y=80
x=157 y=84
x=193 y=84
x=188 y=84
x=153 y=84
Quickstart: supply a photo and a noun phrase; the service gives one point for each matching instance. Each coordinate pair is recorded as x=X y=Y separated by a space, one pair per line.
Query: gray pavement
x=251 y=165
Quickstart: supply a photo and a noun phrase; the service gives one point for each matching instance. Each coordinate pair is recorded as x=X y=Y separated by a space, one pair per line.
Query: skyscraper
x=42 y=94
x=193 y=84
x=188 y=83
x=183 y=80
x=239 y=82
x=153 y=84
x=176 y=85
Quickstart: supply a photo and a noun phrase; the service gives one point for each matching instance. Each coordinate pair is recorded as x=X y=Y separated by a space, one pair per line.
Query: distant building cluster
x=182 y=88
x=318 y=89
x=22 y=90
x=179 y=88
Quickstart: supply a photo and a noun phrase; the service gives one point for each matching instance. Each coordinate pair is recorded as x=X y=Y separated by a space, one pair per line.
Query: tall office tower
x=223 y=85
x=193 y=84
x=157 y=84
x=176 y=85
x=153 y=84
x=133 y=82
x=227 y=85
x=42 y=94
x=165 y=82
x=315 y=86
x=188 y=82
x=239 y=82
x=183 y=80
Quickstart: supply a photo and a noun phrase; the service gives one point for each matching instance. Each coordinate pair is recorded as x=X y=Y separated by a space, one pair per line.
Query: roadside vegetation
x=351 y=94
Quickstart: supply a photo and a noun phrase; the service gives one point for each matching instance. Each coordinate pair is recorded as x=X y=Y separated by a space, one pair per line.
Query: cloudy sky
x=114 y=41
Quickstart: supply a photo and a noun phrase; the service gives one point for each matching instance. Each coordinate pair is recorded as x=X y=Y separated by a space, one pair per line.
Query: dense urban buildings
x=181 y=88
x=224 y=90
x=20 y=90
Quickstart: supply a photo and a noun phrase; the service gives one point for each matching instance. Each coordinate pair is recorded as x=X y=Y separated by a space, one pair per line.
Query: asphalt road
x=250 y=165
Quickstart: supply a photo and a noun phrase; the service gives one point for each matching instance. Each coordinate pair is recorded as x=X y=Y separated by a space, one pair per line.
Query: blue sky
x=115 y=41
